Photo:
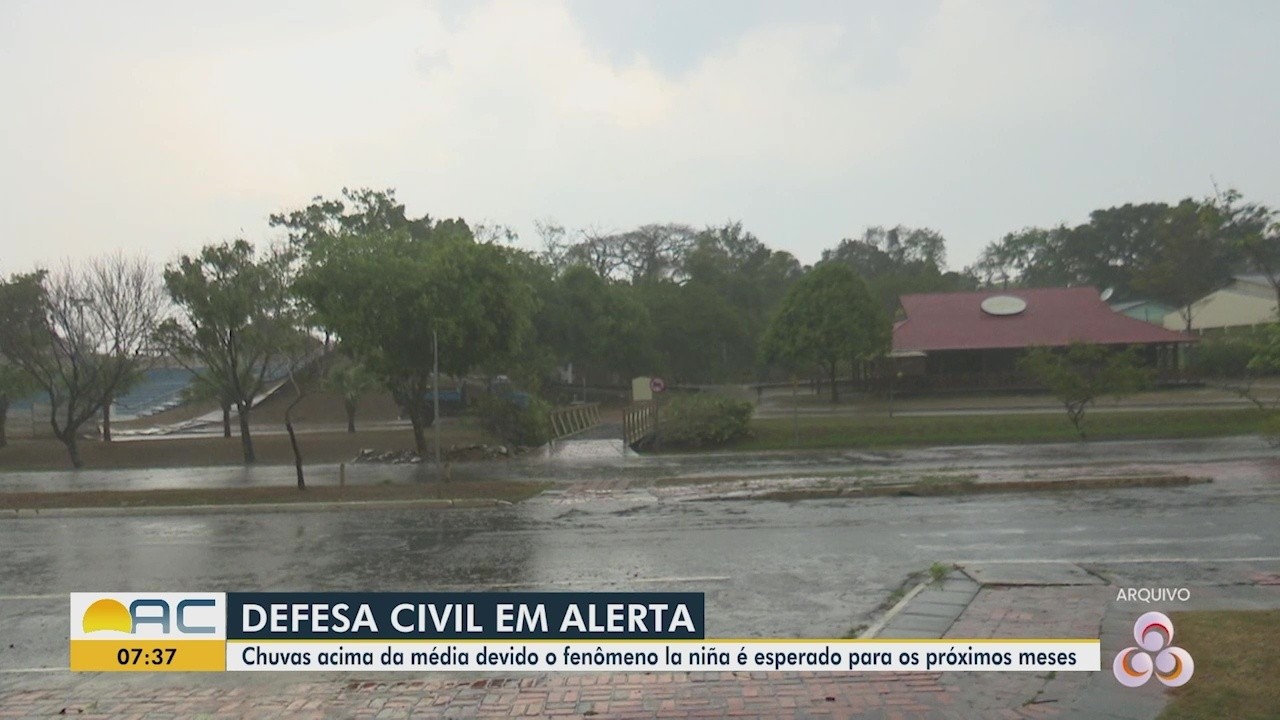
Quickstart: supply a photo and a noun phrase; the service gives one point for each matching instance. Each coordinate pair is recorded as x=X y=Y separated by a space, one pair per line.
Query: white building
x=1249 y=300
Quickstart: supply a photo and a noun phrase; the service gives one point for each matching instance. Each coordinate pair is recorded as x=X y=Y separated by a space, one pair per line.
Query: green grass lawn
x=1236 y=665
x=883 y=432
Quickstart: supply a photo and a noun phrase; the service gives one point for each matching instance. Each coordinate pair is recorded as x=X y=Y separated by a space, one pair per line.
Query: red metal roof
x=1054 y=317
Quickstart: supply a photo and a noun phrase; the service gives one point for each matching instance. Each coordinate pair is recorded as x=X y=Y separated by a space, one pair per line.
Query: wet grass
x=318 y=448
x=1236 y=665
x=884 y=432
x=506 y=490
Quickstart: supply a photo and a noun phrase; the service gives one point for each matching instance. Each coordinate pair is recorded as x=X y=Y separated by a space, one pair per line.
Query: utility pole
x=795 y=410
x=435 y=392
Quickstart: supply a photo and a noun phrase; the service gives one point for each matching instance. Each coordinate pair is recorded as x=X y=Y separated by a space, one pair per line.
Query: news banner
x=492 y=632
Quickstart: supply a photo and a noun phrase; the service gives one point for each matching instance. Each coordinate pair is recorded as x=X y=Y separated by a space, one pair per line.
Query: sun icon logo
x=1155 y=655
x=107 y=614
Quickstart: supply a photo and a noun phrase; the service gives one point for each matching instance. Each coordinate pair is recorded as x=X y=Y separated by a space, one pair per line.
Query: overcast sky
x=158 y=126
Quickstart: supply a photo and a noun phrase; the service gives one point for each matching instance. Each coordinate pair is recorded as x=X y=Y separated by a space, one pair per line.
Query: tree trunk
x=419 y=436
x=350 y=406
x=835 y=390
x=4 y=416
x=422 y=415
x=297 y=453
x=73 y=450
x=246 y=442
x=106 y=421
x=226 y=420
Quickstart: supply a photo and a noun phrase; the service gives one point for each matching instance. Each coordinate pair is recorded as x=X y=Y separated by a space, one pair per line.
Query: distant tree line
x=697 y=305
x=1175 y=254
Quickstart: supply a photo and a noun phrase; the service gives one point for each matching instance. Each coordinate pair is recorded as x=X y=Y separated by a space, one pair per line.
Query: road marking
x=1031 y=561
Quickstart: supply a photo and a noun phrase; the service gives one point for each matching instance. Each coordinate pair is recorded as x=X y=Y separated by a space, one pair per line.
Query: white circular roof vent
x=1003 y=305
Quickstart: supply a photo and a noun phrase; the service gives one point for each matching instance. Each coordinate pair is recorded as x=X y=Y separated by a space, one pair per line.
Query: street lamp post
x=435 y=392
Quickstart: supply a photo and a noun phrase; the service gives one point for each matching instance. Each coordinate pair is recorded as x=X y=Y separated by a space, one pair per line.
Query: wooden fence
x=573 y=419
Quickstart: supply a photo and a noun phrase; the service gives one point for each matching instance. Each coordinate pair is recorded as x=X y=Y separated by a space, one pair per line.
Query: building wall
x=1153 y=313
x=1235 y=306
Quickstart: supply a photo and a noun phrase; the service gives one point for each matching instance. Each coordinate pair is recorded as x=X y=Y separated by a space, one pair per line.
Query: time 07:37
x=146 y=656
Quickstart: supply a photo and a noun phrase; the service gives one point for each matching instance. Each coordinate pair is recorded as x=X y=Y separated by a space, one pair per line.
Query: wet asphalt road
x=605 y=460
x=813 y=568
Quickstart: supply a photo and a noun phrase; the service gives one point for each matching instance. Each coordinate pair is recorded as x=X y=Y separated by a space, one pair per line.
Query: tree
x=733 y=284
x=1082 y=373
x=15 y=384
x=349 y=381
x=591 y=321
x=203 y=389
x=1253 y=230
x=1194 y=258
x=897 y=261
x=1031 y=257
x=386 y=295
x=238 y=328
x=126 y=384
x=80 y=334
x=828 y=317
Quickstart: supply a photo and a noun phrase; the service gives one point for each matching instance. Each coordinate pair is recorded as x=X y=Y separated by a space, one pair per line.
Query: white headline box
x=1021 y=655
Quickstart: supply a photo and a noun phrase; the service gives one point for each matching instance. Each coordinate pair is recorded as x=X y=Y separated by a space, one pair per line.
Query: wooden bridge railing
x=639 y=422
x=573 y=419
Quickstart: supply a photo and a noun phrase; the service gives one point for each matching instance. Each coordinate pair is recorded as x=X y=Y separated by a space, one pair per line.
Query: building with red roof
x=974 y=339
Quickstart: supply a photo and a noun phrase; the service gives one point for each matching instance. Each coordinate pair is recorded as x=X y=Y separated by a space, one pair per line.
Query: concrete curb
x=427 y=504
x=964 y=488
x=888 y=617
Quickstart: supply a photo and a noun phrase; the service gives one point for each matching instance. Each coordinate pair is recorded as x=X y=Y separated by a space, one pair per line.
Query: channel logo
x=1155 y=655
x=149 y=631
x=111 y=614
x=152 y=615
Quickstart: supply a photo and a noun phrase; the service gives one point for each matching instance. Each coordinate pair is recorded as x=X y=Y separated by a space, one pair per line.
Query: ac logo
x=151 y=615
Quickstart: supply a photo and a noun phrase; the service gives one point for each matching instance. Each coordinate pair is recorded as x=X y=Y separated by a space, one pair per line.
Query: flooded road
x=813 y=568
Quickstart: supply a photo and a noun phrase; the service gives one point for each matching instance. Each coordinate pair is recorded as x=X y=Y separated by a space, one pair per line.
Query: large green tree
x=733 y=284
x=829 y=317
x=596 y=323
x=81 y=334
x=898 y=260
x=1253 y=229
x=386 y=295
x=237 y=328
x=1195 y=258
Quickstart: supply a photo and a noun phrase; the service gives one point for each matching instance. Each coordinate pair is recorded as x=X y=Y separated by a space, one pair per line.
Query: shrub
x=515 y=419
x=702 y=420
x=1223 y=356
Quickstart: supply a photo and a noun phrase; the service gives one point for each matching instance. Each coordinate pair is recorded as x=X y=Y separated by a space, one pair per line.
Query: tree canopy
x=389 y=295
x=827 y=318
x=238 y=326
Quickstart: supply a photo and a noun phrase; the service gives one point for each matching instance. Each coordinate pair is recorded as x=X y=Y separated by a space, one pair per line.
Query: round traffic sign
x=657 y=385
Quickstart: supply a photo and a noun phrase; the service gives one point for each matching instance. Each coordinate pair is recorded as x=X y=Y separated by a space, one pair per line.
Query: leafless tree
x=83 y=333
